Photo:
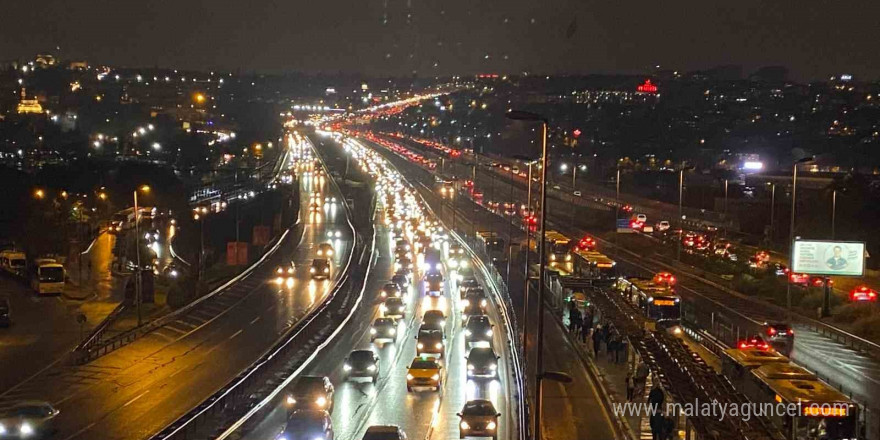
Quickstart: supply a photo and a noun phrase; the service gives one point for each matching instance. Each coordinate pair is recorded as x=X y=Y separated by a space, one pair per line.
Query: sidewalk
x=613 y=376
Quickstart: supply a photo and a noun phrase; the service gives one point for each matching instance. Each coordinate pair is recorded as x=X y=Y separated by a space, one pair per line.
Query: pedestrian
x=610 y=344
x=656 y=398
x=641 y=377
x=656 y=423
x=597 y=341
x=668 y=428
x=574 y=320
x=630 y=386
x=620 y=349
x=586 y=326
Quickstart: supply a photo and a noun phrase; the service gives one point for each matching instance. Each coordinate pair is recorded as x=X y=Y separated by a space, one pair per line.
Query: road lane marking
x=255 y=320
x=136 y=398
x=236 y=334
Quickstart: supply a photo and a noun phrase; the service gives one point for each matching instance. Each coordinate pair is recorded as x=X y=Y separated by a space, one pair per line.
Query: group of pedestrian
x=580 y=323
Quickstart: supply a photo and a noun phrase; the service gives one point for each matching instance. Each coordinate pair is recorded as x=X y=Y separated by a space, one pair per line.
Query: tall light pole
x=137 y=250
x=772 y=208
x=833 y=211
x=680 y=213
x=528 y=251
x=539 y=366
x=791 y=225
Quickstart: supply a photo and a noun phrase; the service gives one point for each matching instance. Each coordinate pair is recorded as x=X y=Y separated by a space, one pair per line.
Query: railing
x=98 y=332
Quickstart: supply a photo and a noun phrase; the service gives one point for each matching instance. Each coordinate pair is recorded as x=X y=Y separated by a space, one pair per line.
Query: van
x=13 y=262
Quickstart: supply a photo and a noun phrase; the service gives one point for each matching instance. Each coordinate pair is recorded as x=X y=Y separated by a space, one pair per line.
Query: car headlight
x=438 y=345
x=2 y=429
x=279 y=270
x=392 y=331
x=464 y=425
x=491 y=425
x=291 y=400
x=483 y=303
x=438 y=266
x=312 y=270
x=465 y=302
x=346 y=367
x=279 y=280
x=372 y=331
x=321 y=401
x=435 y=377
x=420 y=346
x=409 y=377
x=26 y=429
x=568 y=258
x=552 y=257
x=326 y=269
x=493 y=366
x=489 y=332
x=464 y=263
x=467 y=332
x=330 y=252
x=470 y=366
x=371 y=368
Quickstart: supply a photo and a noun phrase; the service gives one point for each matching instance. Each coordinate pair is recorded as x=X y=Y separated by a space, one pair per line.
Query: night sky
x=814 y=38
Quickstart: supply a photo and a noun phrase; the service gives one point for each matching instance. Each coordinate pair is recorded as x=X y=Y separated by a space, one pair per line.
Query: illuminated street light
x=39 y=193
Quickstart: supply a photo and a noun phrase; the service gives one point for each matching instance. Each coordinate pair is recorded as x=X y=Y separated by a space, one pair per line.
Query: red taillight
x=771 y=331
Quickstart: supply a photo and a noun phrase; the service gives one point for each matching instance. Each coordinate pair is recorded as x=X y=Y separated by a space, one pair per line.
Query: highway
x=856 y=373
x=140 y=388
x=571 y=411
x=422 y=414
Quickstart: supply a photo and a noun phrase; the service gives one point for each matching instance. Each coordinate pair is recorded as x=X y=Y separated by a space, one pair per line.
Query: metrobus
x=804 y=407
x=13 y=262
x=592 y=264
x=658 y=302
x=47 y=276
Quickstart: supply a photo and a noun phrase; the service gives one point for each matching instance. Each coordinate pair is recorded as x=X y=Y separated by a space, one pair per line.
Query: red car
x=863 y=294
x=587 y=244
x=754 y=341
x=665 y=278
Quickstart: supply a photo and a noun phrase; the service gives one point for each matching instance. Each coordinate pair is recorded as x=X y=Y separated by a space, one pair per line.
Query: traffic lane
x=355 y=335
x=43 y=329
x=116 y=405
x=578 y=402
x=838 y=365
x=97 y=392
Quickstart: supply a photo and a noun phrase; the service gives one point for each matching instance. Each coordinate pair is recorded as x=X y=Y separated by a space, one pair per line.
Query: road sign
x=623 y=226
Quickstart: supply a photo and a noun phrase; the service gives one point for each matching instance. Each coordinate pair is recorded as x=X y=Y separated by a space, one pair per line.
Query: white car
x=663 y=225
x=642 y=218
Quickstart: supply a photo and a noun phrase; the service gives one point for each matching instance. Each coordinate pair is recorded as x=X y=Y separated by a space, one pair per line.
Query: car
x=424 y=372
x=664 y=278
x=587 y=243
x=435 y=319
x=482 y=362
x=305 y=424
x=384 y=432
x=393 y=308
x=663 y=226
x=642 y=218
x=362 y=364
x=285 y=274
x=577 y=194
x=478 y=331
x=314 y=207
x=325 y=250
x=383 y=329
x=401 y=280
x=390 y=290
x=5 y=313
x=478 y=419
x=472 y=309
x=466 y=284
x=754 y=341
x=475 y=296
x=28 y=419
x=310 y=393
x=320 y=269
x=430 y=343
x=403 y=263
x=334 y=234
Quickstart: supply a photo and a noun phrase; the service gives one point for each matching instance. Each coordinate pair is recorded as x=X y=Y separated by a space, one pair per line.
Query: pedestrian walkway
x=613 y=375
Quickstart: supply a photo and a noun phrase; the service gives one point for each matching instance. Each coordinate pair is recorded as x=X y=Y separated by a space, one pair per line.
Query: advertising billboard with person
x=819 y=257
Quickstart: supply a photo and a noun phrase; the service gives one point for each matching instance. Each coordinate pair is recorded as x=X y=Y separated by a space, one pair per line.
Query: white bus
x=47 y=276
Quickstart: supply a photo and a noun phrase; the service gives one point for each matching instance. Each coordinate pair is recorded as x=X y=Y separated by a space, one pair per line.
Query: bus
x=557 y=248
x=495 y=247
x=658 y=302
x=47 y=276
x=819 y=412
x=592 y=264
x=13 y=262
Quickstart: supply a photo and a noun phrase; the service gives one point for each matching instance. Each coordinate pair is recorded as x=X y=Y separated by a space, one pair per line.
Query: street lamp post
x=680 y=213
x=791 y=225
x=137 y=250
x=772 y=208
x=539 y=366
x=528 y=252
x=833 y=212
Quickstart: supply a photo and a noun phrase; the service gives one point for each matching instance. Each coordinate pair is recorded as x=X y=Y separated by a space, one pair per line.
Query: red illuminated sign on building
x=647 y=87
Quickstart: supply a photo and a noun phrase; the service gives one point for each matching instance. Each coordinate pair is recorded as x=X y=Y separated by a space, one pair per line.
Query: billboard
x=820 y=257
